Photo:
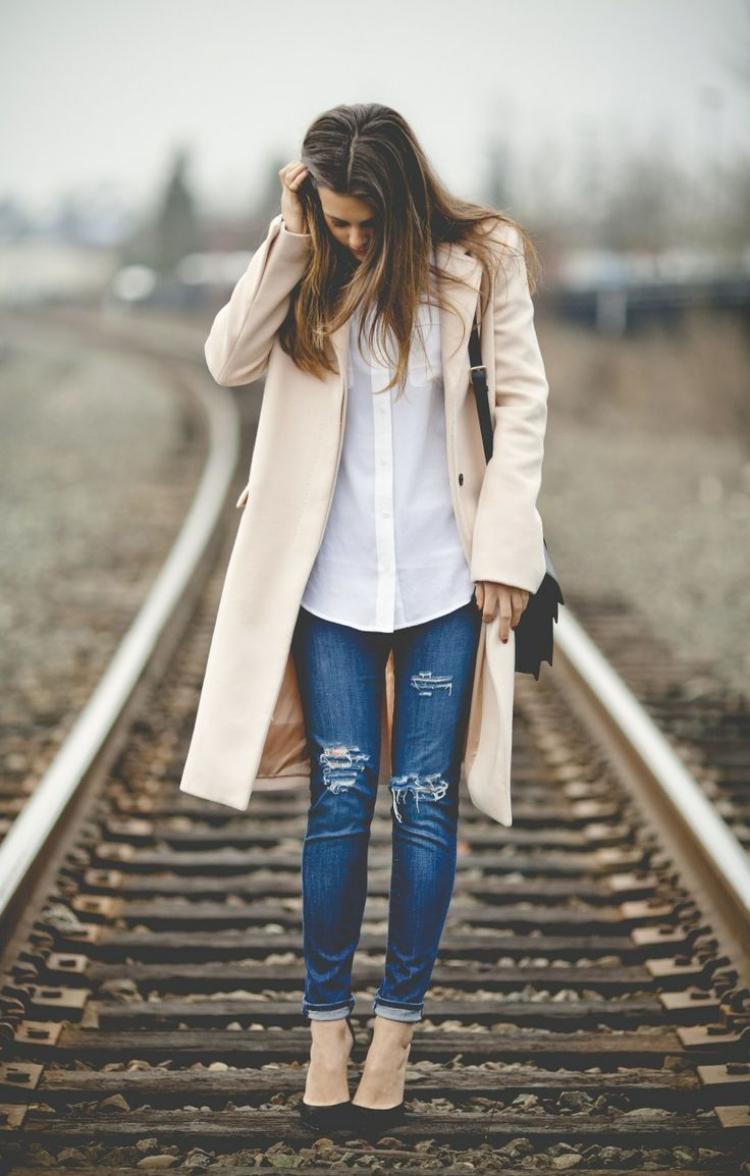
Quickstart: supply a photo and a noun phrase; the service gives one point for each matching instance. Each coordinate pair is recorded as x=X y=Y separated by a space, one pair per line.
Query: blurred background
x=141 y=145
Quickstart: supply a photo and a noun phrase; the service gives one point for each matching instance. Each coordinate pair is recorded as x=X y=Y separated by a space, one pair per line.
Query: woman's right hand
x=291 y=176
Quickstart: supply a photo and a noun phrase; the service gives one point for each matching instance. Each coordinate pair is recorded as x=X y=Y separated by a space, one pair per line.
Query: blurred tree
x=15 y=223
x=649 y=202
x=176 y=225
x=498 y=183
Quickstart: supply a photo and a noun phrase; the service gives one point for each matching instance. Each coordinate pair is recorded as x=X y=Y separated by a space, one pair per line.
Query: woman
x=403 y=569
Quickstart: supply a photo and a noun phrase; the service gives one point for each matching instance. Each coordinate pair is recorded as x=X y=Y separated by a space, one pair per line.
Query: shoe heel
x=328 y=1117
x=369 y=1119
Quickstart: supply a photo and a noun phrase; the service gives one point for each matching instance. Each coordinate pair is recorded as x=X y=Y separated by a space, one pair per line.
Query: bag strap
x=479 y=380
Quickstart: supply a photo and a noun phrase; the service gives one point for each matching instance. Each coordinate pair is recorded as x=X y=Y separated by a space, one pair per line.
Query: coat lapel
x=455 y=328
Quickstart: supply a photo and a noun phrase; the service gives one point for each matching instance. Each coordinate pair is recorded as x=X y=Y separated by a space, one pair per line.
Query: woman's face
x=350 y=221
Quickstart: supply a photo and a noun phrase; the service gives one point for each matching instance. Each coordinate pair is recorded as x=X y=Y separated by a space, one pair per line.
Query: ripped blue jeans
x=341 y=676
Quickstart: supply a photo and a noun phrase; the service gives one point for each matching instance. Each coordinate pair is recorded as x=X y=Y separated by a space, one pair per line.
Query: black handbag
x=534 y=632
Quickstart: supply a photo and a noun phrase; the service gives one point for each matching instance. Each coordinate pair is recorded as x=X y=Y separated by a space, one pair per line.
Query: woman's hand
x=509 y=600
x=292 y=175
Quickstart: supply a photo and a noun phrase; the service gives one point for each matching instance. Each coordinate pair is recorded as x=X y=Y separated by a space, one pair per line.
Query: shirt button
x=460 y=479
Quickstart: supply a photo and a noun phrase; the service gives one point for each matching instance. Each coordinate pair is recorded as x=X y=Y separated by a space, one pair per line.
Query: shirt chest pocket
x=425 y=362
x=422 y=375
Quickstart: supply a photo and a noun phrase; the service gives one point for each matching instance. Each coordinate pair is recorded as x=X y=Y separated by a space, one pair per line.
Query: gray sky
x=101 y=91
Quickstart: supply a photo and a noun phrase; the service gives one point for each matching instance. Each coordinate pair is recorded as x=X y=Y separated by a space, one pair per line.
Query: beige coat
x=249 y=724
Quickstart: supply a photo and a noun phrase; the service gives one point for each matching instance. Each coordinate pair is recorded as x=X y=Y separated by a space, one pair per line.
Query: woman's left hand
x=505 y=598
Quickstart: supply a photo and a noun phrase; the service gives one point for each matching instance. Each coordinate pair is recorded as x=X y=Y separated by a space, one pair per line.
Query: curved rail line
x=699 y=837
x=31 y=831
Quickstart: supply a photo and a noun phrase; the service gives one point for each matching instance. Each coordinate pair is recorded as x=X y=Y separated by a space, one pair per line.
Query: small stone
x=574 y=1100
x=147 y=1145
x=525 y=1102
x=610 y=1155
x=44 y=1159
x=322 y=1144
x=198 y=1163
x=517 y=1148
x=647 y=1113
x=684 y=1155
x=115 y=1102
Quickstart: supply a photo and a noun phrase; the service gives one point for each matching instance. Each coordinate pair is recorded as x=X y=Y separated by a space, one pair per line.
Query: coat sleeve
x=507 y=541
x=242 y=334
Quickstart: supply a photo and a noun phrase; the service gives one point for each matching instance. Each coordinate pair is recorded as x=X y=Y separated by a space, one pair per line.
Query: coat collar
x=455 y=326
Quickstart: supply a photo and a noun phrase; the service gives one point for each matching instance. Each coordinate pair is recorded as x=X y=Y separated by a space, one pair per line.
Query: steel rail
x=32 y=830
x=699 y=837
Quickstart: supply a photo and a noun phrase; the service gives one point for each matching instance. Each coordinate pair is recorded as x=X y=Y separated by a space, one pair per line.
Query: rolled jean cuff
x=397 y=1012
x=327 y=1012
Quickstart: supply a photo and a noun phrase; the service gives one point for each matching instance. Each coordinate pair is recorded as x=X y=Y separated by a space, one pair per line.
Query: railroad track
x=89 y=574
x=588 y=1011
x=707 y=721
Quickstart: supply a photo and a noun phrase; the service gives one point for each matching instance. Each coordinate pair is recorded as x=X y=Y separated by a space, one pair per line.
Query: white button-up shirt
x=391 y=553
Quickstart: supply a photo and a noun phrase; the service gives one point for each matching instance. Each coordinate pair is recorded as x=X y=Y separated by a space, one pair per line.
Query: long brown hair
x=369 y=151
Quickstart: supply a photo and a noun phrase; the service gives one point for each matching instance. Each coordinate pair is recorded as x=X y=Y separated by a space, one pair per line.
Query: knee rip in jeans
x=342 y=765
x=433 y=787
x=425 y=682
